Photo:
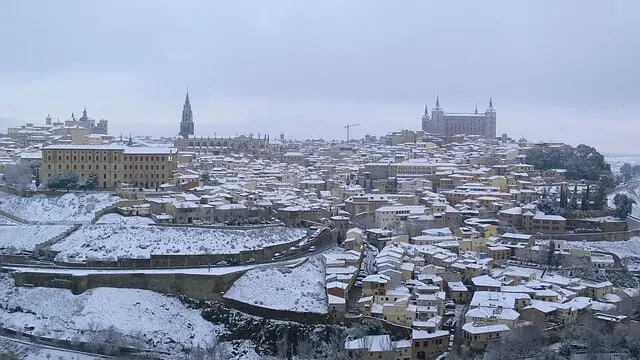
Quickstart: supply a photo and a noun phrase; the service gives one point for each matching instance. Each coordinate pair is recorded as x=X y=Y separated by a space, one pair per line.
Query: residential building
x=429 y=345
x=479 y=335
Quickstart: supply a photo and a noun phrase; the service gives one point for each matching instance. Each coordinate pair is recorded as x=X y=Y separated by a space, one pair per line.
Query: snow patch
x=113 y=218
x=15 y=239
x=300 y=289
x=160 y=322
x=70 y=207
x=113 y=240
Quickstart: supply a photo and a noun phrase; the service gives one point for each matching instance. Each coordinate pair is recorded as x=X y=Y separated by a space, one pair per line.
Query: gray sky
x=557 y=70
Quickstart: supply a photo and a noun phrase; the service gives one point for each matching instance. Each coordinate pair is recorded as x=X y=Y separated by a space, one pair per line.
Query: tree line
x=581 y=162
x=628 y=171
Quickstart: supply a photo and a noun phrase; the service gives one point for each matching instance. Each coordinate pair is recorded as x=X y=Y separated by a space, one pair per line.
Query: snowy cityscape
x=412 y=245
x=319 y=180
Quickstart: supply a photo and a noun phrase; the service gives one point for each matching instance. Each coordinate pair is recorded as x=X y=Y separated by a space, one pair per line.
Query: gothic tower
x=437 y=118
x=186 y=124
x=426 y=120
x=490 y=121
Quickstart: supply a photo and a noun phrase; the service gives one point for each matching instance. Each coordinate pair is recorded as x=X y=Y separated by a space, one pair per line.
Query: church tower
x=437 y=119
x=426 y=120
x=490 y=121
x=186 y=124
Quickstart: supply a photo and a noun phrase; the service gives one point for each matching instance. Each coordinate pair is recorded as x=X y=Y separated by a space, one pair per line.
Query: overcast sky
x=557 y=70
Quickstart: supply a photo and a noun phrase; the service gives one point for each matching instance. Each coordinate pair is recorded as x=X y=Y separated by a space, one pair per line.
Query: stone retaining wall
x=42 y=249
x=599 y=236
x=80 y=346
x=13 y=217
x=285 y=315
x=197 y=286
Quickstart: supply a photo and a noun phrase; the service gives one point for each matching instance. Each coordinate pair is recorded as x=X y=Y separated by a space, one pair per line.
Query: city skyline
x=556 y=75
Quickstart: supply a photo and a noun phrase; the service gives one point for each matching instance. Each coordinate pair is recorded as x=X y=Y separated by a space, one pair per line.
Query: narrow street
x=368 y=266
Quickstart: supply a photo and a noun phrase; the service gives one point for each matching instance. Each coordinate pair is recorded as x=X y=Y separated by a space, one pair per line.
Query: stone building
x=450 y=124
x=137 y=166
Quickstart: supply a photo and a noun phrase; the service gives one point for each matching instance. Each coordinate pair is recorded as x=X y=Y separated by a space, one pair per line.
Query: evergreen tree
x=574 y=198
x=586 y=198
x=563 y=196
x=92 y=182
x=623 y=204
x=63 y=181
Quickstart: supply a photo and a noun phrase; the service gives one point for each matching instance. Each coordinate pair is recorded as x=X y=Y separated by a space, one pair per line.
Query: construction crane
x=348 y=127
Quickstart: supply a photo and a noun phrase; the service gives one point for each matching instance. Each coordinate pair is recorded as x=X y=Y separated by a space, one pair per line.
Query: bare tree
x=283 y=347
x=6 y=354
x=18 y=176
x=519 y=343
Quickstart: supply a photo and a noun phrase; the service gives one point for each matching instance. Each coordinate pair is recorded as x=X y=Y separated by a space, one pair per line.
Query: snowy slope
x=113 y=218
x=624 y=249
x=617 y=160
x=71 y=207
x=110 y=241
x=14 y=239
x=159 y=321
x=7 y=221
x=300 y=289
x=633 y=193
x=28 y=351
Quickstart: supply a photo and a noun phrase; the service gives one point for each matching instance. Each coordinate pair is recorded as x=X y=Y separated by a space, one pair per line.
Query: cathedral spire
x=186 y=123
x=490 y=103
x=476 y=108
x=437 y=102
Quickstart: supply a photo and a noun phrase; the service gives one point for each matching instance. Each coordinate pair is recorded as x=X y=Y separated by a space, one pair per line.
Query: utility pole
x=348 y=127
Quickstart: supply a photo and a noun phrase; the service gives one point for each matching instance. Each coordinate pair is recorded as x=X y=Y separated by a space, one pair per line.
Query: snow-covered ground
x=113 y=218
x=144 y=317
x=631 y=192
x=617 y=160
x=26 y=351
x=6 y=221
x=70 y=207
x=113 y=240
x=299 y=289
x=624 y=249
x=14 y=239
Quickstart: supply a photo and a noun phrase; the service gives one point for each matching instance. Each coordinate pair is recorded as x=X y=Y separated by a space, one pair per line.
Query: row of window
x=130 y=176
x=115 y=158
x=115 y=167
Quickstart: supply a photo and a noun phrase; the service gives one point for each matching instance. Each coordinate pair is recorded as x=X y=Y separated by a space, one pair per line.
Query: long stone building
x=147 y=167
x=450 y=124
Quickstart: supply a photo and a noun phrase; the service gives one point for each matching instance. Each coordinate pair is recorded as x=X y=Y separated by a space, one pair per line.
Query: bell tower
x=186 y=124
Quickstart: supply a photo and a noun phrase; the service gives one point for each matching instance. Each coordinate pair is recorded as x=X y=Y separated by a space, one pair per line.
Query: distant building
x=450 y=124
x=99 y=127
x=215 y=145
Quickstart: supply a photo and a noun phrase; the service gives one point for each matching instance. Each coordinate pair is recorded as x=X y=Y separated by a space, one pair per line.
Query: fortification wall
x=197 y=286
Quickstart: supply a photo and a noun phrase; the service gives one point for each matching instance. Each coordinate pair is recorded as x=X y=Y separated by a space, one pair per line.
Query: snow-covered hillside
x=113 y=218
x=71 y=207
x=6 y=221
x=158 y=321
x=624 y=249
x=631 y=192
x=299 y=289
x=39 y=352
x=112 y=240
x=616 y=161
x=14 y=239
